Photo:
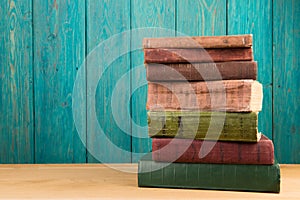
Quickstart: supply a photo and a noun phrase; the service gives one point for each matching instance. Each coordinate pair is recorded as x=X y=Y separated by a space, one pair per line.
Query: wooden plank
x=108 y=138
x=286 y=73
x=16 y=82
x=59 y=39
x=226 y=41
x=201 y=17
x=250 y=22
x=149 y=14
x=85 y=181
x=255 y=17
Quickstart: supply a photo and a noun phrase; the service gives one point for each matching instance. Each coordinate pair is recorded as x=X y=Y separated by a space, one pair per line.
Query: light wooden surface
x=97 y=181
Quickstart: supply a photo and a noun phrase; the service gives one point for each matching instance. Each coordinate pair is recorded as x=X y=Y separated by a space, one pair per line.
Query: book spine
x=262 y=178
x=202 y=71
x=189 y=151
x=197 y=55
x=232 y=41
x=230 y=96
x=220 y=126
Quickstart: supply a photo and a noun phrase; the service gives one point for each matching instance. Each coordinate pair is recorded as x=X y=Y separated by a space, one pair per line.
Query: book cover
x=226 y=41
x=259 y=178
x=197 y=55
x=204 y=125
x=200 y=151
x=226 y=95
x=202 y=71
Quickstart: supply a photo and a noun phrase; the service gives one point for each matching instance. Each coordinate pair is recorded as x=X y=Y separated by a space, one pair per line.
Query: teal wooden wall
x=43 y=51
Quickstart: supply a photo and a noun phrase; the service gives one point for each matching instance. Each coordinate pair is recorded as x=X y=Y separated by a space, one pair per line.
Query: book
x=202 y=71
x=200 y=151
x=259 y=178
x=227 y=41
x=225 y=95
x=197 y=55
x=204 y=125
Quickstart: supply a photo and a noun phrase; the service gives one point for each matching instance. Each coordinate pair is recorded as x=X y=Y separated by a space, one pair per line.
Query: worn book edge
x=225 y=41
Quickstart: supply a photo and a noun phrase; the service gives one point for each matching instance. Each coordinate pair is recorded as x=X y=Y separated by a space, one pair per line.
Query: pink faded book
x=226 y=95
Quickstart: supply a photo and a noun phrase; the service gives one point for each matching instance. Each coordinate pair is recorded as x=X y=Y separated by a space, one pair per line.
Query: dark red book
x=202 y=71
x=197 y=55
x=188 y=151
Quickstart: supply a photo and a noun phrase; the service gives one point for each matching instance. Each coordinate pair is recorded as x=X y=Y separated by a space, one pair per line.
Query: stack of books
x=203 y=103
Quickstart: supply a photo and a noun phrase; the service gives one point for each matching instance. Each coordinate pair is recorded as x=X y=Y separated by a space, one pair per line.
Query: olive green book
x=237 y=177
x=221 y=126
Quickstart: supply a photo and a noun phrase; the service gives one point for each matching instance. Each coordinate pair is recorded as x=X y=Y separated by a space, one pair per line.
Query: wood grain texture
x=197 y=55
x=286 y=87
x=201 y=17
x=225 y=41
x=74 y=181
x=255 y=17
x=159 y=14
x=104 y=20
x=44 y=74
x=59 y=39
x=16 y=83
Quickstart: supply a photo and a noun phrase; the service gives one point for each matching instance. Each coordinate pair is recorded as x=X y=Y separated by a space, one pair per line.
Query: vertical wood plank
x=59 y=38
x=158 y=17
x=105 y=19
x=16 y=88
x=255 y=17
x=286 y=73
x=201 y=17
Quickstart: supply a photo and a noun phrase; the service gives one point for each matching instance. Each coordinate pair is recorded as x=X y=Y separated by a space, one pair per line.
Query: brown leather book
x=225 y=41
x=188 y=151
x=202 y=71
x=226 y=95
x=197 y=55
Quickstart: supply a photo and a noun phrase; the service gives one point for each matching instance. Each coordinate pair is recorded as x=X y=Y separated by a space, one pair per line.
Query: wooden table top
x=98 y=181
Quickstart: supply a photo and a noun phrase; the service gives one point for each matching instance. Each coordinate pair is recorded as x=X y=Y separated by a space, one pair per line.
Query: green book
x=223 y=126
x=259 y=178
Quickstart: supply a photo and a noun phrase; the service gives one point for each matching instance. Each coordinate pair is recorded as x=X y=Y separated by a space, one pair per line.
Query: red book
x=188 y=151
x=197 y=55
x=202 y=71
